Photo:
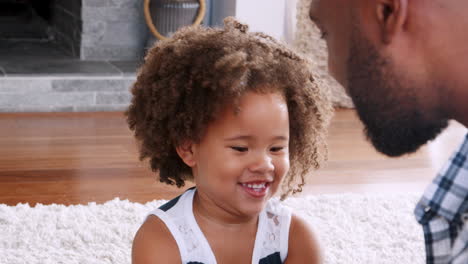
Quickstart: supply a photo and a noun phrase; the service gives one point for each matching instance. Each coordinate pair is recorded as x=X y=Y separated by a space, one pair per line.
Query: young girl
x=240 y=115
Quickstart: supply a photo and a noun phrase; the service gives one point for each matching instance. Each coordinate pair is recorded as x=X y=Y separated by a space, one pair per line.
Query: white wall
x=263 y=15
x=274 y=17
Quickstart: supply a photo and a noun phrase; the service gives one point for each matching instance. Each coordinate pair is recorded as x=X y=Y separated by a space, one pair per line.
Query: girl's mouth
x=256 y=189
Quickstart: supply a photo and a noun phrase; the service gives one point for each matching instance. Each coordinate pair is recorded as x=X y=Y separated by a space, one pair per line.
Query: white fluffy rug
x=353 y=229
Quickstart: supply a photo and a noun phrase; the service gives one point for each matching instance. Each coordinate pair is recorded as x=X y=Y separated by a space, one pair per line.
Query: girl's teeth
x=254 y=186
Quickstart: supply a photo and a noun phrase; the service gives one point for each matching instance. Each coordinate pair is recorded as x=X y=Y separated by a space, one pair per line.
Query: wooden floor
x=76 y=158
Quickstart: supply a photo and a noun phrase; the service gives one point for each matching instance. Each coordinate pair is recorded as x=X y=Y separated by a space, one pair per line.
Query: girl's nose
x=262 y=163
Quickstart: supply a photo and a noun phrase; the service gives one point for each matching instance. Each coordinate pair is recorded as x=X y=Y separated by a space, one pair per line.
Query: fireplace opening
x=26 y=19
x=40 y=29
x=86 y=30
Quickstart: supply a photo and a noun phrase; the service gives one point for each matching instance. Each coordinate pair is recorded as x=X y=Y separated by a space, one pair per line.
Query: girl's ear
x=186 y=153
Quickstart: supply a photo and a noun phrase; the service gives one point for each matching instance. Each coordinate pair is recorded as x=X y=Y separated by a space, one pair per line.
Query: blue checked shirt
x=443 y=212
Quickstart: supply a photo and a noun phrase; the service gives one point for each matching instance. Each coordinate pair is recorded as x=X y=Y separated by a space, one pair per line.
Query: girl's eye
x=276 y=149
x=239 y=149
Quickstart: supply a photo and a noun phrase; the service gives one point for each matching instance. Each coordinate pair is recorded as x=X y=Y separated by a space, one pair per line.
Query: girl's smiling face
x=243 y=157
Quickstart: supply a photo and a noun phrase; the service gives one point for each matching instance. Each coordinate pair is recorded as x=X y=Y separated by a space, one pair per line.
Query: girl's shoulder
x=303 y=242
x=298 y=239
x=154 y=243
x=156 y=240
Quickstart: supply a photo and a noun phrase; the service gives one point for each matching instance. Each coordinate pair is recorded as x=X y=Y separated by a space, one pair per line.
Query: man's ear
x=392 y=16
x=186 y=153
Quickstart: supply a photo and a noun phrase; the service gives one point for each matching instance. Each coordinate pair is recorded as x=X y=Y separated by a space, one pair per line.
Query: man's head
x=393 y=58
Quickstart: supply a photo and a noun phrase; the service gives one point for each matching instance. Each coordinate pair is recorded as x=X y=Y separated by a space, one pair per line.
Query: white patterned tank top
x=271 y=241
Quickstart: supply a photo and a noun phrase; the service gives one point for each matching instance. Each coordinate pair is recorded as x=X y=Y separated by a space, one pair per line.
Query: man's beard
x=394 y=119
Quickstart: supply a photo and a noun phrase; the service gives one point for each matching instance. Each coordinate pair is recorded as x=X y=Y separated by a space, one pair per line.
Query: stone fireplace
x=71 y=55
x=84 y=29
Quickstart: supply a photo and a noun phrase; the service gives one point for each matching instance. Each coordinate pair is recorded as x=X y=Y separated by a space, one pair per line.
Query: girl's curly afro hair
x=187 y=80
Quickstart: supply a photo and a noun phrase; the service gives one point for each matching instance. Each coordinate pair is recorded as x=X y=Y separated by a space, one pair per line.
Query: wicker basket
x=164 y=17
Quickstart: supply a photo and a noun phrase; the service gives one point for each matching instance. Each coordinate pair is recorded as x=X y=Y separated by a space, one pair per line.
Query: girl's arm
x=303 y=246
x=154 y=243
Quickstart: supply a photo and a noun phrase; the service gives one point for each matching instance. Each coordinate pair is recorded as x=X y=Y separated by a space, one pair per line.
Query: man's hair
x=187 y=81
